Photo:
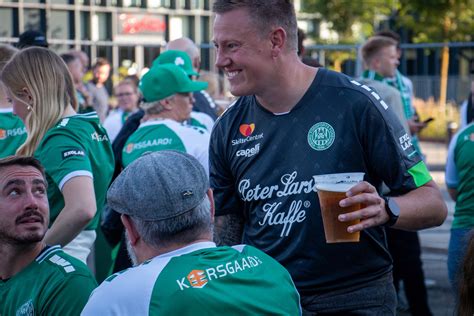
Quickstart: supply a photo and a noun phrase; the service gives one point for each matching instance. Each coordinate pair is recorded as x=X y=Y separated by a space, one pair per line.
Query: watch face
x=394 y=208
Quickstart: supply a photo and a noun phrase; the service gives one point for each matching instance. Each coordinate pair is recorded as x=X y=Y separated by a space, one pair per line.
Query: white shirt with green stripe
x=167 y=134
x=199 y=279
x=52 y=284
x=203 y=120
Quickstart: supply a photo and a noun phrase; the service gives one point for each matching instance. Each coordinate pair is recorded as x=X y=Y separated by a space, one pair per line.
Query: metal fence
x=420 y=62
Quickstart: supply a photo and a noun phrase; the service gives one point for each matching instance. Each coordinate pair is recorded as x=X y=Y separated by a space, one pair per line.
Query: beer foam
x=335 y=187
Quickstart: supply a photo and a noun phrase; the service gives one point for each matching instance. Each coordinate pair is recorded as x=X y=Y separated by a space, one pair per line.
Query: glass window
x=85 y=26
x=6 y=27
x=159 y=3
x=181 y=26
x=62 y=1
x=101 y=27
x=150 y=54
x=35 y=19
x=61 y=24
x=132 y=3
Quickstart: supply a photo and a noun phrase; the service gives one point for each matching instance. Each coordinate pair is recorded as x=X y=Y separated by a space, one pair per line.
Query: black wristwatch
x=392 y=209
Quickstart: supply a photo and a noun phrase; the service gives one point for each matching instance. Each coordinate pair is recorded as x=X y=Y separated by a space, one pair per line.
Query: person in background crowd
x=76 y=68
x=35 y=278
x=97 y=89
x=167 y=93
x=466 y=281
x=467 y=107
x=460 y=182
x=404 y=85
x=380 y=57
x=127 y=96
x=182 y=60
x=12 y=129
x=74 y=149
x=203 y=101
x=178 y=269
x=307 y=60
x=265 y=193
x=32 y=38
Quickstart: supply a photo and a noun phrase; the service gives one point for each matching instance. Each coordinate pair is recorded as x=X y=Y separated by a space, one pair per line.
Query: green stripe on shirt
x=420 y=174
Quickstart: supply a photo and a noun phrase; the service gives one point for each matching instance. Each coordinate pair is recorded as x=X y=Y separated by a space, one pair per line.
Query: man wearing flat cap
x=168 y=102
x=167 y=209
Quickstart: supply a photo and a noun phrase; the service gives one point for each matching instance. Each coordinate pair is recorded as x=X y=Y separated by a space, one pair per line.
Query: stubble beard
x=131 y=253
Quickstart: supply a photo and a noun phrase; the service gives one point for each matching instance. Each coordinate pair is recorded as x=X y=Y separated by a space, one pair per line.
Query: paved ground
x=435 y=241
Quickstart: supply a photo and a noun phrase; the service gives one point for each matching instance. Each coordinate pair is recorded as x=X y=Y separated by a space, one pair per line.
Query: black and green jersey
x=53 y=284
x=199 y=279
x=263 y=167
x=166 y=134
x=76 y=146
x=460 y=176
x=12 y=132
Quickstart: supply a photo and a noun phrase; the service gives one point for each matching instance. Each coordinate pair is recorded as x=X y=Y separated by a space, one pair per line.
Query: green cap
x=165 y=80
x=177 y=57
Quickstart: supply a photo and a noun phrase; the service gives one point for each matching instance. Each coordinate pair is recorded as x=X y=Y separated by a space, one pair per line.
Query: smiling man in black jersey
x=291 y=123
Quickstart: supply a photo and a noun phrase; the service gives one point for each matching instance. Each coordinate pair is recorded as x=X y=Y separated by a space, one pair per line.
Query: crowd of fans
x=162 y=180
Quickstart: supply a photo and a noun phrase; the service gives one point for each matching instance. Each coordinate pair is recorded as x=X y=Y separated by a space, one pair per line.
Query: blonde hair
x=47 y=79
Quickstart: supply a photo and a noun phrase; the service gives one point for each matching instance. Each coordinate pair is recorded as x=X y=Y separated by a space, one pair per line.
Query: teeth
x=232 y=74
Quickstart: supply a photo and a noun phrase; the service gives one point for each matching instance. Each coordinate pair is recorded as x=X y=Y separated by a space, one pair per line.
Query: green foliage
x=429 y=20
x=343 y=14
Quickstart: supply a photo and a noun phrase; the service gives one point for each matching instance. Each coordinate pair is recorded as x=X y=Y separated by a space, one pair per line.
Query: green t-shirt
x=53 y=284
x=460 y=176
x=167 y=134
x=199 y=279
x=76 y=146
x=12 y=133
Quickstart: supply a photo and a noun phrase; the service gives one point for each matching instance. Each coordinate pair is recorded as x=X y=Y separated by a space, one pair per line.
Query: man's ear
x=167 y=104
x=210 y=196
x=278 y=40
x=132 y=232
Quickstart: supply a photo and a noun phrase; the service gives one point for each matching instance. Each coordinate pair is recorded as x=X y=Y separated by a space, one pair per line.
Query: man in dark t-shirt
x=291 y=124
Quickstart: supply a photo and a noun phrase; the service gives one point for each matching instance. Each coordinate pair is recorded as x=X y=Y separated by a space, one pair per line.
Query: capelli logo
x=248 y=152
x=247 y=129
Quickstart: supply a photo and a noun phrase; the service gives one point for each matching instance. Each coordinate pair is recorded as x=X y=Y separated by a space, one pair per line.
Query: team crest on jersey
x=321 y=136
x=26 y=309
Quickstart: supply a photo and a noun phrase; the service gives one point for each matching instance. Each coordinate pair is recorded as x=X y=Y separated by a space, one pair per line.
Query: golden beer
x=330 y=194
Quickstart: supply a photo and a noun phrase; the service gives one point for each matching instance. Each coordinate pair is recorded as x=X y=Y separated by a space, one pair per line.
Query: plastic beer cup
x=331 y=190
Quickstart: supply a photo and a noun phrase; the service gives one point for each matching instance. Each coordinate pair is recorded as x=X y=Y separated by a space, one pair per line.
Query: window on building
x=7 y=26
x=35 y=19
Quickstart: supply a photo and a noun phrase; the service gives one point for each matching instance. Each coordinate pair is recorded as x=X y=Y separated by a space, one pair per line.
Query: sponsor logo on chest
x=198 y=279
x=272 y=212
x=248 y=152
x=247 y=131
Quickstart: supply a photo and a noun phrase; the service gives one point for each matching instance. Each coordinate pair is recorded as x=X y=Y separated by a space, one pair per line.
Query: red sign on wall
x=141 y=24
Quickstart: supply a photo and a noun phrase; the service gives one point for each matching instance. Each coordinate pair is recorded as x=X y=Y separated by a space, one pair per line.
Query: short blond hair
x=374 y=45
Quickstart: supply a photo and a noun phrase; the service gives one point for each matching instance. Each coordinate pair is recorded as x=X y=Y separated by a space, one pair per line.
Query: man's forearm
x=228 y=230
x=421 y=208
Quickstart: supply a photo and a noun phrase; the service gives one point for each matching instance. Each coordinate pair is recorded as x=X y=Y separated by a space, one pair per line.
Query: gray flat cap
x=158 y=186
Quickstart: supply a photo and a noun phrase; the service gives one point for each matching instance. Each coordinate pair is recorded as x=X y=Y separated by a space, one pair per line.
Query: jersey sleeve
x=391 y=156
x=71 y=296
x=451 y=175
x=221 y=179
x=64 y=158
